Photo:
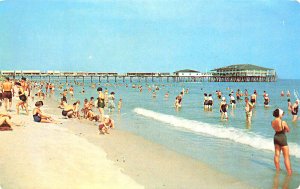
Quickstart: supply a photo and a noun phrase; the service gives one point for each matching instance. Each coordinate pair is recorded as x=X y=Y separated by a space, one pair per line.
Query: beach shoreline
x=133 y=159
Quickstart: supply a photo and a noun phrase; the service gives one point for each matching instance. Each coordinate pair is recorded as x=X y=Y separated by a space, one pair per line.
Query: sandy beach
x=74 y=155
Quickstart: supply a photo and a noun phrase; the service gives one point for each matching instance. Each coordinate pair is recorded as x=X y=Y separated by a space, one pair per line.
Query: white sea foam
x=234 y=134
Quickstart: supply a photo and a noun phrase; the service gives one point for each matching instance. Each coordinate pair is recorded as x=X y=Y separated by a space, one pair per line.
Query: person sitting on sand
x=68 y=110
x=5 y=120
x=92 y=116
x=107 y=124
x=85 y=108
x=39 y=116
x=76 y=109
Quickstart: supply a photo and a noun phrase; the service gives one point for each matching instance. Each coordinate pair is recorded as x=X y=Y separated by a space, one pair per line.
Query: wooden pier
x=234 y=73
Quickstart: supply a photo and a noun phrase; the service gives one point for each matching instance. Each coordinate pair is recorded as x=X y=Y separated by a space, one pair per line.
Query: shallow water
x=233 y=147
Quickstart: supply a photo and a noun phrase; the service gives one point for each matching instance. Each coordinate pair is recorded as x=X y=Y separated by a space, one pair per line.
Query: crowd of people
x=21 y=91
x=94 y=109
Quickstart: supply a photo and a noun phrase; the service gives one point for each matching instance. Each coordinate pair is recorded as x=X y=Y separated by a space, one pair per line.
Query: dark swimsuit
x=223 y=108
x=22 y=97
x=8 y=95
x=295 y=111
x=65 y=113
x=37 y=118
x=100 y=103
x=266 y=102
x=280 y=138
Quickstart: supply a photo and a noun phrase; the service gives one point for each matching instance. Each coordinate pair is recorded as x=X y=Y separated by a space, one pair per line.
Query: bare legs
x=286 y=156
x=6 y=102
x=21 y=103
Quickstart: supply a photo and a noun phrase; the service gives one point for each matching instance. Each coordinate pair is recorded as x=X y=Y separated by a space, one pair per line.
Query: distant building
x=187 y=73
x=244 y=73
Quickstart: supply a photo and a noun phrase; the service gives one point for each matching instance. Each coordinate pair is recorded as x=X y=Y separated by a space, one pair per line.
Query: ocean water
x=232 y=147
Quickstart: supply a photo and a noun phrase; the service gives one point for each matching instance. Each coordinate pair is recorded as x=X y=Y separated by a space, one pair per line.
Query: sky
x=149 y=36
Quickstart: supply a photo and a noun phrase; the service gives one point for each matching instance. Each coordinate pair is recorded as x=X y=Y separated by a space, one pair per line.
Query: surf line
x=234 y=134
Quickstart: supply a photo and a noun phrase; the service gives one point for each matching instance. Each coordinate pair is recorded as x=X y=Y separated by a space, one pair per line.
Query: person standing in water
x=232 y=101
x=290 y=106
x=223 y=109
x=267 y=100
x=280 y=141
x=295 y=109
x=205 y=103
x=248 y=110
x=210 y=102
x=101 y=102
x=253 y=98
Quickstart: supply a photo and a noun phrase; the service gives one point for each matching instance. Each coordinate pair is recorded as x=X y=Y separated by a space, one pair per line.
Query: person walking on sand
x=248 y=110
x=23 y=99
x=223 y=109
x=7 y=93
x=295 y=109
x=280 y=141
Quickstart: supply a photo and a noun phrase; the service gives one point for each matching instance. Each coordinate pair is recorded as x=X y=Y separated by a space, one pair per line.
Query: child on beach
x=107 y=124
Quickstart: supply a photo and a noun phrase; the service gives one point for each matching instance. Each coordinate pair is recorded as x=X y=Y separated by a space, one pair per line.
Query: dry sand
x=74 y=155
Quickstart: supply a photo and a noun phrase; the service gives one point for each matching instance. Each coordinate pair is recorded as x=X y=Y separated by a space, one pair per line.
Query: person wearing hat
x=280 y=141
x=267 y=101
x=223 y=109
x=106 y=124
x=295 y=109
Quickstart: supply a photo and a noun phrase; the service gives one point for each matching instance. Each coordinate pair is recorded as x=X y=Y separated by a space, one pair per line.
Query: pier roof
x=187 y=71
x=241 y=67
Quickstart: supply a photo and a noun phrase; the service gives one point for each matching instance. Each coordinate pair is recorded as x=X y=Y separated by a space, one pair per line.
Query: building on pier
x=187 y=73
x=243 y=73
